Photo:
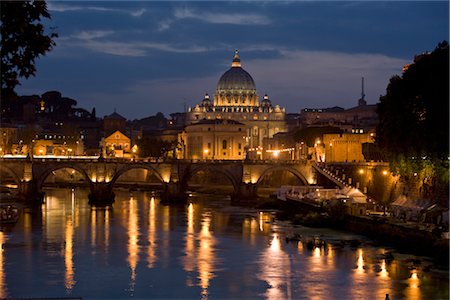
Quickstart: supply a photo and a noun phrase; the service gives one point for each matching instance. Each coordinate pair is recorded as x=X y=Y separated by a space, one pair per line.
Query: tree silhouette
x=414 y=117
x=23 y=40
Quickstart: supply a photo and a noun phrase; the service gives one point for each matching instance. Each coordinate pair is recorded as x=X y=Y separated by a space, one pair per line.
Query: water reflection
x=133 y=239
x=3 y=287
x=413 y=291
x=189 y=260
x=276 y=271
x=51 y=252
x=205 y=255
x=151 y=252
x=200 y=255
x=68 y=255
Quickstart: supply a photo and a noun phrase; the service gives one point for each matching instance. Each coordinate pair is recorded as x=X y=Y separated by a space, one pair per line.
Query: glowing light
x=360 y=263
x=385 y=172
x=361 y=171
x=276 y=153
x=133 y=247
x=261 y=228
x=151 y=253
x=68 y=255
x=275 y=246
x=384 y=273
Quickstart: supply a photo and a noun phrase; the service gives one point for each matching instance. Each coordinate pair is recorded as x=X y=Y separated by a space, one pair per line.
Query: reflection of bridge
x=101 y=174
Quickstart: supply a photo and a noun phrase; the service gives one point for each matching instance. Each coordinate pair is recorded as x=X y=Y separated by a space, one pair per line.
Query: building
x=117 y=145
x=213 y=139
x=345 y=147
x=358 y=119
x=114 y=122
x=236 y=99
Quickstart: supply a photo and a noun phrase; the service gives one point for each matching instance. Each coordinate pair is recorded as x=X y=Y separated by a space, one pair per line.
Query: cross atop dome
x=236 y=60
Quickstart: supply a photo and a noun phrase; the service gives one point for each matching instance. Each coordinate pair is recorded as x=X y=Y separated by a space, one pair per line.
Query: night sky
x=144 y=57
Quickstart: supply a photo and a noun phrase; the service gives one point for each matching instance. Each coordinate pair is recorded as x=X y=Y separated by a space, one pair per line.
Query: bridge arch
x=289 y=169
x=193 y=169
x=43 y=176
x=127 y=168
x=17 y=178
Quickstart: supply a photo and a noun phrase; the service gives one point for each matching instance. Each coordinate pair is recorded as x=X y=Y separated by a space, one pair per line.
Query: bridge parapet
x=101 y=174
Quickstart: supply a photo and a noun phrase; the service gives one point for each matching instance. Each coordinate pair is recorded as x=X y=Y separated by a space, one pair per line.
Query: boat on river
x=9 y=214
x=311 y=196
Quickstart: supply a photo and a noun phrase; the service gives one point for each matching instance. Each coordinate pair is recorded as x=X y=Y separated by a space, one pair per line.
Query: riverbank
x=405 y=238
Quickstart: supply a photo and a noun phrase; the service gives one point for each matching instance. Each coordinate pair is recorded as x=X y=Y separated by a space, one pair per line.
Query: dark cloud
x=140 y=56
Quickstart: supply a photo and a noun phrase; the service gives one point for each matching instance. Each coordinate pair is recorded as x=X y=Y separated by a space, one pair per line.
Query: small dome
x=206 y=101
x=266 y=102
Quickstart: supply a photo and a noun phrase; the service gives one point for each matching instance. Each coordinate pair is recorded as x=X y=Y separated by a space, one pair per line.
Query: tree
x=23 y=40
x=414 y=117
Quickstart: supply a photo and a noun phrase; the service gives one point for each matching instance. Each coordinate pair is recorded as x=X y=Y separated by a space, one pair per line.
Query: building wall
x=117 y=145
x=346 y=147
x=260 y=124
x=215 y=140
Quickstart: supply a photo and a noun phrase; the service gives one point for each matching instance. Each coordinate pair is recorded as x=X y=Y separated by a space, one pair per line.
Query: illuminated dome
x=236 y=87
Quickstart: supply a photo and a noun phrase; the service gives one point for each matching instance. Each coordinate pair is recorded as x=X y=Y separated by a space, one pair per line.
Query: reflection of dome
x=236 y=87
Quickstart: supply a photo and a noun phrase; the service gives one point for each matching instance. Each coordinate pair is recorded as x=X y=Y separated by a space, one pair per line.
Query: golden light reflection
x=151 y=253
x=384 y=273
x=206 y=255
x=189 y=261
x=249 y=227
x=360 y=263
x=330 y=255
x=261 y=222
x=166 y=230
x=93 y=227
x=275 y=245
x=316 y=252
x=3 y=288
x=300 y=247
x=413 y=291
x=107 y=229
x=68 y=255
x=133 y=239
x=276 y=271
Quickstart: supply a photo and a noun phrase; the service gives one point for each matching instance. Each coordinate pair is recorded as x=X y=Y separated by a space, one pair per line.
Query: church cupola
x=206 y=101
x=236 y=63
x=266 y=103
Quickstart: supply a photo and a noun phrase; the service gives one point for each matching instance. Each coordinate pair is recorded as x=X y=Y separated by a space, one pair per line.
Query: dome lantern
x=236 y=63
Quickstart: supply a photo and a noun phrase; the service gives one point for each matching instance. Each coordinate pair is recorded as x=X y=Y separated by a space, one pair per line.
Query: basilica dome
x=236 y=86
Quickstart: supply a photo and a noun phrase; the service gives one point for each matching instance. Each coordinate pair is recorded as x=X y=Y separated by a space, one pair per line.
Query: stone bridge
x=101 y=174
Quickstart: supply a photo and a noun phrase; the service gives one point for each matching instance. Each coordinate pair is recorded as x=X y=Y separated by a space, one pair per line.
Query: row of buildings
x=234 y=124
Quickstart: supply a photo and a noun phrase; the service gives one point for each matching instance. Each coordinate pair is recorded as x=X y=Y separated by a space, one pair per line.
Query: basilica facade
x=236 y=99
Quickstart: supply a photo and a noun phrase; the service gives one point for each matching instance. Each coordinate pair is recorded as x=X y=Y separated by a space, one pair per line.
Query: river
x=205 y=249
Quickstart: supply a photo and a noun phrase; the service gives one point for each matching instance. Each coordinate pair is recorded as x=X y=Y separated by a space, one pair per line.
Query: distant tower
x=362 y=101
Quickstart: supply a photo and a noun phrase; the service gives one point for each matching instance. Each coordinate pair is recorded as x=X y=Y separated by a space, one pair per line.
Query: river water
x=205 y=249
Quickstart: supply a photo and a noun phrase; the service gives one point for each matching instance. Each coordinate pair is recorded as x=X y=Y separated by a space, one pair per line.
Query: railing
x=52 y=158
